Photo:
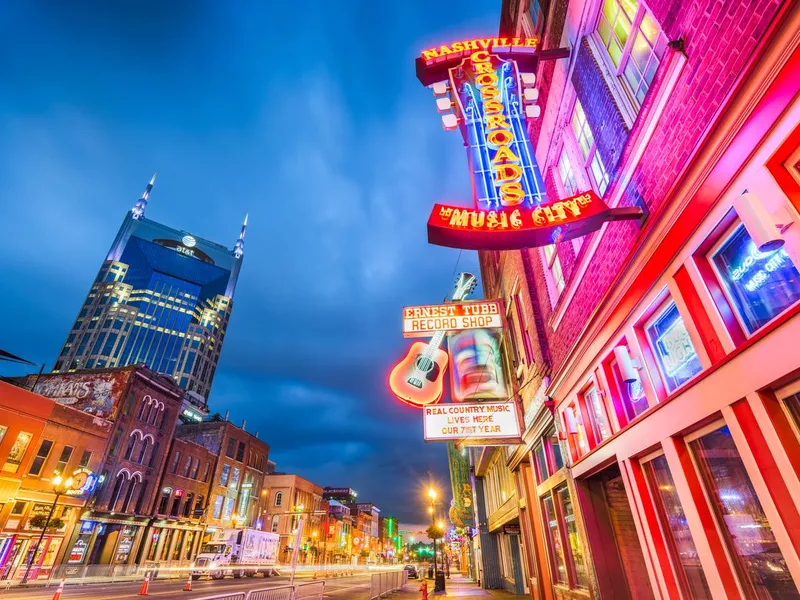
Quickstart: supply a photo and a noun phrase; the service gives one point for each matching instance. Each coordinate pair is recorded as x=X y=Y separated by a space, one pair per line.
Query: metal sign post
x=297 y=539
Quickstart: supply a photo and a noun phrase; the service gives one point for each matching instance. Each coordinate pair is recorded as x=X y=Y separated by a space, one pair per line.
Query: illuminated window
x=17 y=452
x=675 y=354
x=566 y=175
x=760 y=285
x=676 y=529
x=547 y=456
x=555 y=547
x=588 y=147
x=574 y=549
x=278 y=498
x=217 y=510
x=275 y=524
x=762 y=568
x=226 y=473
x=576 y=430
x=554 y=267
x=634 y=43
x=632 y=396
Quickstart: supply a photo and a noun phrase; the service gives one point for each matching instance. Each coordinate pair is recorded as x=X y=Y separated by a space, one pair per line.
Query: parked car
x=412 y=571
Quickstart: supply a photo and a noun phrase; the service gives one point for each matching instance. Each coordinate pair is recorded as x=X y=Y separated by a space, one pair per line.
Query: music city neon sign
x=511 y=208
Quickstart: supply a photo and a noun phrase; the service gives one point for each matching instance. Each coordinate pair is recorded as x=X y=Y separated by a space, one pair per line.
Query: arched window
x=131 y=445
x=162 y=505
x=143 y=450
x=153 y=455
x=187 y=507
x=158 y=410
x=143 y=406
x=140 y=499
x=122 y=477
x=278 y=498
x=132 y=486
x=275 y=524
x=198 y=507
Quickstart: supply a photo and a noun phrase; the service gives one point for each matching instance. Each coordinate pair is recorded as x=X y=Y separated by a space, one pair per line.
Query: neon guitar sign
x=418 y=379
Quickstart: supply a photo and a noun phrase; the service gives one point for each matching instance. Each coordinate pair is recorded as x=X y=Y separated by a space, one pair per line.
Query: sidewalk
x=458 y=586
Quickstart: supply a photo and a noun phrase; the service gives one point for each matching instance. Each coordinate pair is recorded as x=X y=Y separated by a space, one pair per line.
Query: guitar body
x=418 y=380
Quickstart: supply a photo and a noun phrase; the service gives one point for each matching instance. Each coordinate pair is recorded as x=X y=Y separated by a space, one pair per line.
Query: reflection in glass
x=761 y=565
x=601 y=428
x=559 y=567
x=673 y=520
x=576 y=552
x=669 y=338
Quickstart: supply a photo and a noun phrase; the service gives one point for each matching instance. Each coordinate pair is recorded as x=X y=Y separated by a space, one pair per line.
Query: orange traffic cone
x=59 y=589
x=145 y=585
x=188 y=586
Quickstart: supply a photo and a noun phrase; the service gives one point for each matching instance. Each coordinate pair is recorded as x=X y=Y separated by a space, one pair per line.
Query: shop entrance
x=609 y=524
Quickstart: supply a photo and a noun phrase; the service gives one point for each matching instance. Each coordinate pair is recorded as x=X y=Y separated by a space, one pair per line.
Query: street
x=349 y=588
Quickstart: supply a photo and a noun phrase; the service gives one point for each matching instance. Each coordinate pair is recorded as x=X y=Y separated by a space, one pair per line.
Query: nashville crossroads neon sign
x=511 y=208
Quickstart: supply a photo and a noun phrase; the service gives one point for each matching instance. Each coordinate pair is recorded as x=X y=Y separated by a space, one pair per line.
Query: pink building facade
x=657 y=363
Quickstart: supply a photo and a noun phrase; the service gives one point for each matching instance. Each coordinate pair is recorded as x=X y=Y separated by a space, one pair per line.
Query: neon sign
x=488 y=85
x=774 y=261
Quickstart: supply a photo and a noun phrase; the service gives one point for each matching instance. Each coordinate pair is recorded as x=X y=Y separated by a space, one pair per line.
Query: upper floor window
x=634 y=43
x=554 y=267
x=566 y=174
x=594 y=404
x=41 y=456
x=588 y=146
x=760 y=285
x=278 y=498
x=673 y=348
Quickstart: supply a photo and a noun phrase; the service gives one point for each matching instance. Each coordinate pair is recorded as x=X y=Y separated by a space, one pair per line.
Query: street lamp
x=60 y=486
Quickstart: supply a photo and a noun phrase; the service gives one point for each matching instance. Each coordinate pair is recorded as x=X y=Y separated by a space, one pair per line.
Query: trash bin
x=438 y=586
x=430 y=572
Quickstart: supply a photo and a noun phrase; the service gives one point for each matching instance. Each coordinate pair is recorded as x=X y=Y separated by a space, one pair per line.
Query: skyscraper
x=162 y=297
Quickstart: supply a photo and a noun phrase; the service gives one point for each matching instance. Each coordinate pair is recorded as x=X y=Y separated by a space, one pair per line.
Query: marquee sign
x=479 y=424
x=424 y=321
x=488 y=84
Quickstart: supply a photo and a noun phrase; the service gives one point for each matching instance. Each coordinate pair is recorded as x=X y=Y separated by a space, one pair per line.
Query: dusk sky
x=306 y=115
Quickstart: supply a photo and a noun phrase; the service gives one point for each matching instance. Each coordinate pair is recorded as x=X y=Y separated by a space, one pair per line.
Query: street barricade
x=387 y=582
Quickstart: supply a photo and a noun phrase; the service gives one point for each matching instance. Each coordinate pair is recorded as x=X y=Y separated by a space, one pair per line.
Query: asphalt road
x=348 y=588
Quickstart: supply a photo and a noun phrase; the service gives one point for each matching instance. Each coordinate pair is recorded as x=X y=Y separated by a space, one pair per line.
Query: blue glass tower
x=163 y=297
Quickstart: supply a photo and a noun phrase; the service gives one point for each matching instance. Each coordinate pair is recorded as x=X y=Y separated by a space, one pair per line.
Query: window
x=176 y=458
x=3 y=430
x=275 y=524
x=547 y=456
x=566 y=175
x=240 y=452
x=676 y=530
x=18 y=508
x=187 y=505
x=86 y=456
x=554 y=267
x=632 y=396
x=748 y=534
x=278 y=498
x=131 y=446
x=226 y=473
x=41 y=456
x=588 y=147
x=760 y=285
x=523 y=328
x=217 y=511
x=153 y=455
x=537 y=17
x=206 y=471
x=227 y=509
x=575 y=428
x=143 y=450
x=17 y=452
x=229 y=452
x=634 y=42
x=675 y=354
x=187 y=467
x=66 y=454
x=235 y=478
x=558 y=566
x=575 y=550
x=195 y=468
x=600 y=424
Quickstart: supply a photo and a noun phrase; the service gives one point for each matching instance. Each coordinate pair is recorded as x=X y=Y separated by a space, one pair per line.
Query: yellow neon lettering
x=486 y=79
x=512 y=193
x=477 y=218
x=479 y=56
x=457 y=47
x=489 y=92
x=572 y=206
x=530 y=42
x=483 y=67
x=485 y=42
x=537 y=217
x=516 y=222
x=429 y=54
x=492 y=106
x=506 y=172
x=460 y=218
x=505 y=153
x=496 y=121
x=499 y=137
x=470 y=45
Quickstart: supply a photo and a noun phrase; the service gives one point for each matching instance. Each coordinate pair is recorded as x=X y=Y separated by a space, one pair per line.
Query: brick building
x=38 y=440
x=652 y=361
x=288 y=498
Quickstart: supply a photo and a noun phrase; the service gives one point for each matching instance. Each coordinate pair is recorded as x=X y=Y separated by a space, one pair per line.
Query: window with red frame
x=547 y=456
x=631 y=394
x=601 y=425
x=576 y=431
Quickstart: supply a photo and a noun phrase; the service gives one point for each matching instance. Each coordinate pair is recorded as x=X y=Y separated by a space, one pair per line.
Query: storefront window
x=674 y=351
x=634 y=401
x=594 y=402
x=673 y=520
x=17 y=452
x=761 y=284
x=759 y=561
x=559 y=567
x=575 y=549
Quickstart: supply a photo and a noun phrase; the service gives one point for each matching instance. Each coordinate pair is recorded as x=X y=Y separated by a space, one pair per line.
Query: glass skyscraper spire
x=163 y=297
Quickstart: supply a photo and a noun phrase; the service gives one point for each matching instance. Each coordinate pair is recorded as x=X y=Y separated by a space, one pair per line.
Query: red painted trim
x=652 y=363
x=783 y=428
x=587 y=417
x=715 y=543
x=699 y=315
x=775 y=165
x=769 y=470
x=613 y=389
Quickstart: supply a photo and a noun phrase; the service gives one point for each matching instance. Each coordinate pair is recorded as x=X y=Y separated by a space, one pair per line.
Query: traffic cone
x=59 y=589
x=188 y=586
x=145 y=585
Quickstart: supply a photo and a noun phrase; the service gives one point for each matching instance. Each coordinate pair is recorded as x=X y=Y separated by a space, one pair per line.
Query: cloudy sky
x=308 y=116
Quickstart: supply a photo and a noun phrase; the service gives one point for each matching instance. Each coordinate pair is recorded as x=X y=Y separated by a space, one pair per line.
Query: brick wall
x=719 y=37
